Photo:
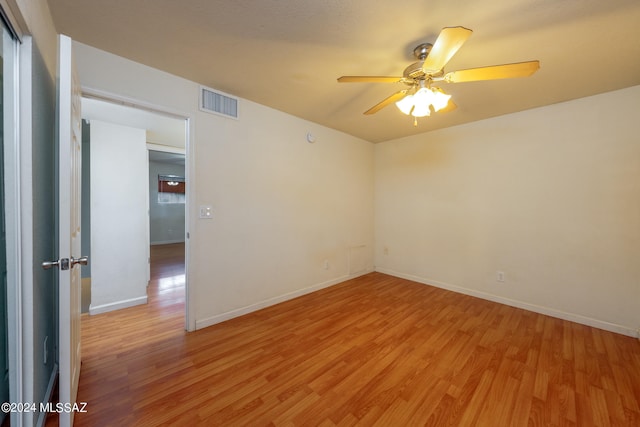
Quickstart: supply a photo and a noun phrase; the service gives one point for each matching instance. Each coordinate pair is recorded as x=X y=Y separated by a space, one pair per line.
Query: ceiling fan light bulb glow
x=405 y=104
x=439 y=99
x=420 y=103
x=421 y=100
x=422 y=96
x=421 y=110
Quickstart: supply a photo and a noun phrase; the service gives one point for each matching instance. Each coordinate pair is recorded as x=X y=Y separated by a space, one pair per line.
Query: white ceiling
x=287 y=54
x=167 y=158
x=160 y=129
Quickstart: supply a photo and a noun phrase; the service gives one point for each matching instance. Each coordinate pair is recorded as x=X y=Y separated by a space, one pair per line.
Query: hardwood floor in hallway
x=376 y=350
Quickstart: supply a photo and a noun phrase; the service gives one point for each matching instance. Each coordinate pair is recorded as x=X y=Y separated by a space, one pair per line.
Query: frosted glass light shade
x=439 y=99
x=422 y=100
x=405 y=104
x=418 y=104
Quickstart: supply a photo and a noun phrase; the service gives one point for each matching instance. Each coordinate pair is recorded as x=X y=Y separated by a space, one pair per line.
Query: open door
x=69 y=170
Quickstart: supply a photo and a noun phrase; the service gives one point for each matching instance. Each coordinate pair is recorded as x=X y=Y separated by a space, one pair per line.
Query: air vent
x=218 y=103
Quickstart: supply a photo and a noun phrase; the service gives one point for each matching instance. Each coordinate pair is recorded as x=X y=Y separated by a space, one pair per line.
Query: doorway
x=165 y=135
x=167 y=198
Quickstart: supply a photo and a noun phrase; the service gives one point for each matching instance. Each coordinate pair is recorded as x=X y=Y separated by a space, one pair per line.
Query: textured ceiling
x=287 y=54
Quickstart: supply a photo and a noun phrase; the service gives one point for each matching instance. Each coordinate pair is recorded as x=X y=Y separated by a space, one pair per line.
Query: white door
x=69 y=166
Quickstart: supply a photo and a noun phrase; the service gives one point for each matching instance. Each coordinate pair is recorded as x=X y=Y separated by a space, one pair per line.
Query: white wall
x=549 y=196
x=119 y=216
x=281 y=206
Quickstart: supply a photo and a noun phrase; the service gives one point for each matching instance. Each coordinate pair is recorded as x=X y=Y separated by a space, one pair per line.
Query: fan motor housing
x=422 y=51
x=414 y=71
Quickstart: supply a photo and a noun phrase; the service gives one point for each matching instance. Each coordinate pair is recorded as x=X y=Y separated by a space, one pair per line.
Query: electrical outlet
x=385 y=250
x=325 y=264
x=500 y=276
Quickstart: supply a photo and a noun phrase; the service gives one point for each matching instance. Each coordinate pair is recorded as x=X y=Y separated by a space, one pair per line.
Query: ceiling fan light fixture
x=421 y=98
x=406 y=104
x=420 y=103
x=439 y=99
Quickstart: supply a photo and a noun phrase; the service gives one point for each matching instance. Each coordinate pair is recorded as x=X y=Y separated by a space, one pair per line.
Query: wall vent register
x=216 y=102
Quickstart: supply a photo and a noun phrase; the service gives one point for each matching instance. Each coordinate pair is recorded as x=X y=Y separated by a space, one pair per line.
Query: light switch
x=206 y=212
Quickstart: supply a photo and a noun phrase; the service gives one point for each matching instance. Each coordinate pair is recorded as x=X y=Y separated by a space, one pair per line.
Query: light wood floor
x=376 y=350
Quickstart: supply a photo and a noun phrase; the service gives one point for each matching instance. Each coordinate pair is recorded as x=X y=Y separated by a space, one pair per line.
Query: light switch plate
x=206 y=212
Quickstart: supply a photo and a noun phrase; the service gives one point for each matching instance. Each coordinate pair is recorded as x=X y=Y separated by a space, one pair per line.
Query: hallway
x=120 y=346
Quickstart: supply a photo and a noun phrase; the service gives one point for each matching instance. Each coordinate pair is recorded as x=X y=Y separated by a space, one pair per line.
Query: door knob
x=83 y=260
x=63 y=263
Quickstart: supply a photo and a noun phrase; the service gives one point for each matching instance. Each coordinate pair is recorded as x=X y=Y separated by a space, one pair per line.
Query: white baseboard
x=42 y=417
x=572 y=317
x=117 y=305
x=166 y=242
x=209 y=321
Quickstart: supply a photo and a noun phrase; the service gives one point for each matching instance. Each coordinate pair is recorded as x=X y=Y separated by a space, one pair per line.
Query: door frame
x=14 y=162
x=19 y=236
x=88 y=92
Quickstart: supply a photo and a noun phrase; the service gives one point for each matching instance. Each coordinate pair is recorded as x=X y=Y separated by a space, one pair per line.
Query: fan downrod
x=422 y=51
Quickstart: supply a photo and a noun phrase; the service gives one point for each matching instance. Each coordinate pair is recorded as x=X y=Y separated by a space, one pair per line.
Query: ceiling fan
x=420 y=98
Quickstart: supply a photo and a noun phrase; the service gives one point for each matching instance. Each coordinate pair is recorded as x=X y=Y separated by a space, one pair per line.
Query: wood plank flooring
x=376 y=350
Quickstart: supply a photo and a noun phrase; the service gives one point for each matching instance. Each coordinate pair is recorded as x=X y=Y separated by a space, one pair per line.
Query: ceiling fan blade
x=393 y=98
x=446 y=45
x=505 y=71
x=369 y=79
